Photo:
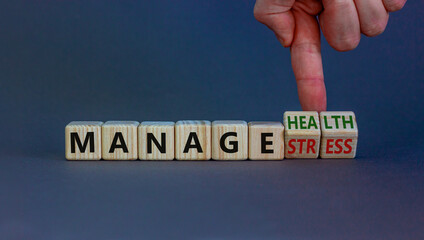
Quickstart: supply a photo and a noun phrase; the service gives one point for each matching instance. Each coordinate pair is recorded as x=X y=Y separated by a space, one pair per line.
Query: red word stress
x=338 y=146
x=310 y=146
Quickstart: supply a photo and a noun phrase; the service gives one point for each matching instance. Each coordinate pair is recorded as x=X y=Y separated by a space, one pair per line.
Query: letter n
x=151 y=138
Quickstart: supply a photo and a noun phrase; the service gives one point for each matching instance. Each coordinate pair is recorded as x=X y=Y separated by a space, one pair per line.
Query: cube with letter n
x=156 y=140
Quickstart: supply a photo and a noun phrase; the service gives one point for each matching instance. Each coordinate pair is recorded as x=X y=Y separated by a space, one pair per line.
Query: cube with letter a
x=119 y=140
x=193 y=140
x=302 y=134
x=339 y=135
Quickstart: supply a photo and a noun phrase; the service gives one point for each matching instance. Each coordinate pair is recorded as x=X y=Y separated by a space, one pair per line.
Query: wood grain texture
x=186 y=133
x=266 y=141
x=302 y=134
x=339 y=135
x=80 y=129
x=231 y=147
x=157 y=129
x=111 y=132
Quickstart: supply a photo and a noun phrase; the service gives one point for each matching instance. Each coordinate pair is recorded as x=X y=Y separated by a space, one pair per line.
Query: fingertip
x=345 y=45
x=394 y=5
x=312 y=94
x=374 y=29
x=317 y=107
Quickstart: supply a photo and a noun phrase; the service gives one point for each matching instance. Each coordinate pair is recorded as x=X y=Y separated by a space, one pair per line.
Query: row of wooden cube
x=303 y=135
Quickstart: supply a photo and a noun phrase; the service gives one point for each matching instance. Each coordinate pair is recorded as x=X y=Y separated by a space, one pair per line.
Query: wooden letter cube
x=266 y=141
x=193 y=140
x=156 y=140
x=83 y=140
x=119 y=140
x=302 y=134
x=229 y=140
x=339 y=135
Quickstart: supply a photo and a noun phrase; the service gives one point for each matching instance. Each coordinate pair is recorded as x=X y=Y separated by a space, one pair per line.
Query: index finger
x=307 y=63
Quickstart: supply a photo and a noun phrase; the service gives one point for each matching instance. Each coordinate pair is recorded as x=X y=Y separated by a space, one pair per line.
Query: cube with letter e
x=339 y=134
x=266 y=141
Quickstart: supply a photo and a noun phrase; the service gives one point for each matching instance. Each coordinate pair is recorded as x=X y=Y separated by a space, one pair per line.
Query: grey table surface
x=374 y=198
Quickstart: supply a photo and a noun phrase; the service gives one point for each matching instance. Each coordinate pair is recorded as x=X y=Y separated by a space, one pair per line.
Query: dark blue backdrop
x=170 y=60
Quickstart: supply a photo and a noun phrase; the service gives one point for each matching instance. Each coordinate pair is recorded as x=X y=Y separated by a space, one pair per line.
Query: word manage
x=305 y=134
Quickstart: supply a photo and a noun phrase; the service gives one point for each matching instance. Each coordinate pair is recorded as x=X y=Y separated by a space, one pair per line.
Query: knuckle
x=311 y=80
x=308 y=47
x=341 y=4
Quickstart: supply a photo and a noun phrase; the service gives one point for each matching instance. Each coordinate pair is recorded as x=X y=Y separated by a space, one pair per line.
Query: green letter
x=336 y=120
x=326 y=123
x=350 y=121
x=302 y=122
x=291 y=122
x=312 y=122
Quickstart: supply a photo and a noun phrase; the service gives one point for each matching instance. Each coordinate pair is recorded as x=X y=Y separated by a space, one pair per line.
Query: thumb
x=276 y=15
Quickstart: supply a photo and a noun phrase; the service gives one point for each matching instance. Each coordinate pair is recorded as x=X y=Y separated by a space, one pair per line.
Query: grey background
x=171 y=60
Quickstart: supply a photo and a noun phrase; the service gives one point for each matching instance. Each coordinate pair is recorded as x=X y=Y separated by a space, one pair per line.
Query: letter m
x=82 y=147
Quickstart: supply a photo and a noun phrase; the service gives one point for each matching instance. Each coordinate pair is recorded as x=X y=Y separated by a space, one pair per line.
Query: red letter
x=291 y=146
x=348 y=146
x=301 y=141
x=339 y=146
x=311 y=145
x=327 y=149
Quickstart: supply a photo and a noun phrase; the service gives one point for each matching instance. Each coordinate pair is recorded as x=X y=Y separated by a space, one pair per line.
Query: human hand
x=295 y=24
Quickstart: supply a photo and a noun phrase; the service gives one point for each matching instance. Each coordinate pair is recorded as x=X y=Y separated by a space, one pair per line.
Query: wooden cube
x=119 y=140
x=156 y=140
x=193 y=140
x=339 y=135
x=266 y=141
x=229 y=140
x=302 y=134
x=83 y=140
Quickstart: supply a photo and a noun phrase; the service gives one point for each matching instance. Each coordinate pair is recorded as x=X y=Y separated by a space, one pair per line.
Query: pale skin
x=297 y=24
